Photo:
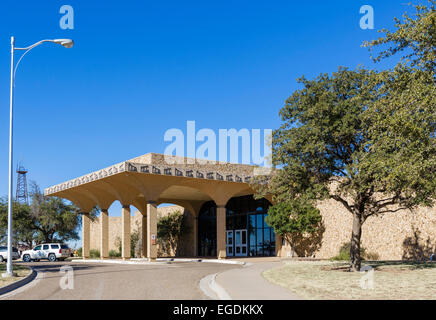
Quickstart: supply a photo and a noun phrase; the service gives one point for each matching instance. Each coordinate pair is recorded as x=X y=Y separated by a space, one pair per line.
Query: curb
x=212 y=289
x=159 y=261
x=17 y=284
x=201 y=260
x=118 y=261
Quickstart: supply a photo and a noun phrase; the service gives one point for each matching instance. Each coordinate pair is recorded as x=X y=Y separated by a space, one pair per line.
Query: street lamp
x=67 y=43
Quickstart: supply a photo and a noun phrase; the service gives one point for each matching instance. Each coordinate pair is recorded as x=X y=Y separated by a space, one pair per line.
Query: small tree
x=170 y=229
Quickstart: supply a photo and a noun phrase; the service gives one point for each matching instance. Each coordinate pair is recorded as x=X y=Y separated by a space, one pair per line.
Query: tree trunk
x=355 y=243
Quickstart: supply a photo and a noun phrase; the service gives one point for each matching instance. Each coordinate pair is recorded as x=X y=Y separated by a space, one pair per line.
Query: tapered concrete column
x=221 y=232
x=86 y=236
x=125 y=232
x=104 y=234
x=151 y=230
x=278 y=241
x=195 y=235
x=144 y=236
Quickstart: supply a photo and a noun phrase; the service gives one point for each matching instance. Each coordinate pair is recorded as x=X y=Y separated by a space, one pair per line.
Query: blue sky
x=139 y=68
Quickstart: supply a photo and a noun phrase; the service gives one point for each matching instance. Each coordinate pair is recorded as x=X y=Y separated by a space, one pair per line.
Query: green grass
x=331 y=280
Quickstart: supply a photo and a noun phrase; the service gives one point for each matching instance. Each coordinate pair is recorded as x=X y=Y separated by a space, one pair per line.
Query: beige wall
x=392 y=236
x=115 y=226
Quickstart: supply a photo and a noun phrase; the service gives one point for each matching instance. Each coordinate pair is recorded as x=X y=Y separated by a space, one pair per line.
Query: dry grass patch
x=21 y=271
x=331 y=280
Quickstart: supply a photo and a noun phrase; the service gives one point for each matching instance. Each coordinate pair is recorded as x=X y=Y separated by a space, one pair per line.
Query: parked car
x=50 y=251
x=4 y=254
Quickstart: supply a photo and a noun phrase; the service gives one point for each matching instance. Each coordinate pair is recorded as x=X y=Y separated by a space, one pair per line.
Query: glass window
x=259 y=220
x=259 y=240
x=45 y=247
x=253 y=251
x=238 y=237
x=55 y=246
x=37 y=248
x=259 y=251
x=64 y=246
x=266 y=236
x=265 y=225
x=252 y=221
x=252 y=238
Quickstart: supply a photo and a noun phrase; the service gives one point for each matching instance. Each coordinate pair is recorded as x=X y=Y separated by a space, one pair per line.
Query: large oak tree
x=363 y=138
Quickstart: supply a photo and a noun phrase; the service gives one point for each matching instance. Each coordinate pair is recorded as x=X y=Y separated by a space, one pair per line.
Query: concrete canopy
x=147 y=181
x=157 y=178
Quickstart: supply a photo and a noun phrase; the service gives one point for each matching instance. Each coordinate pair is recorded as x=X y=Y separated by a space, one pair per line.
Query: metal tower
x=21 y=195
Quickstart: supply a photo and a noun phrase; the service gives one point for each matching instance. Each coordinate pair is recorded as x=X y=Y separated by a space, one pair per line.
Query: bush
x=113 y=253
x=372 y=256
x=344 y=253
x=94 y=253
x=79 y=252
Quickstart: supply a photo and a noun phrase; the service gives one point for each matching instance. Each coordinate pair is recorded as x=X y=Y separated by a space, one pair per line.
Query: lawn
x=331 y=280
x=21 y=271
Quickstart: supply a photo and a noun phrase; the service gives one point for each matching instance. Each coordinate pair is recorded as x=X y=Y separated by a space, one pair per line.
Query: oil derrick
x=21 y=195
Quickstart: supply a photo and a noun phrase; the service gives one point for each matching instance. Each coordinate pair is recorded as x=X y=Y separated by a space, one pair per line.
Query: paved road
x=116 y=281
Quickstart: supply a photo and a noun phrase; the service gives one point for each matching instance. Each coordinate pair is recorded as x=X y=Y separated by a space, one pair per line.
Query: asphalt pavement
x=96 y=281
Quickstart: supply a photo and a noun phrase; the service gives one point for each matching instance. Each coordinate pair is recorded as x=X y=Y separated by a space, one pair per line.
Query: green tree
x=414 y=37
x=170 y=229
x=364 y=139
x=54 y=219
x=23 y=223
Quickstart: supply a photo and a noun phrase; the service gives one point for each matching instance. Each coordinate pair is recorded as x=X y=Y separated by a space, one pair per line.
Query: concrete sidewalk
x=247 y=283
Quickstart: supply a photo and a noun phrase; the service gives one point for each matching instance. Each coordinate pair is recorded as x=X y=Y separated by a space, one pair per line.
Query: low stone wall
x=409 y=235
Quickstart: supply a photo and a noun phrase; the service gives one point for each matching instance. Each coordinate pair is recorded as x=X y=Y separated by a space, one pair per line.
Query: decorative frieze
x=225 y=172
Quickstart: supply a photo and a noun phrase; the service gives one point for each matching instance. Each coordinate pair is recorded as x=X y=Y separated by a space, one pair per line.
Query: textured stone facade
x=392 y=236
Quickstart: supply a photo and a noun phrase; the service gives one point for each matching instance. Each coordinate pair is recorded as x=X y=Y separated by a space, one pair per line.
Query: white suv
x=4 y=253
x=50 y=251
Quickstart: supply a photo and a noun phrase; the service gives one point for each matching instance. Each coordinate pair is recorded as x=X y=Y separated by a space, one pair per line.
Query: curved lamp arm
x=67 y=43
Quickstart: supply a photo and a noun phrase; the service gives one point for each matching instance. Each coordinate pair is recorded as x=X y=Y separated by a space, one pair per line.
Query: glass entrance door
x=240 y=243
x=229 y=243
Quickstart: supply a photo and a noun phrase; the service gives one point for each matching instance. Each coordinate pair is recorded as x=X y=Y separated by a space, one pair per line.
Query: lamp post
x=67 y=43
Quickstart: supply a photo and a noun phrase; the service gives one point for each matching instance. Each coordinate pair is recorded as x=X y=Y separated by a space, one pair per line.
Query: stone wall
x=392 y=236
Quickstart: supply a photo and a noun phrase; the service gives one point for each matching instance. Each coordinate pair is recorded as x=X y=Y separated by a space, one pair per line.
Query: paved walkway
x=247 y=283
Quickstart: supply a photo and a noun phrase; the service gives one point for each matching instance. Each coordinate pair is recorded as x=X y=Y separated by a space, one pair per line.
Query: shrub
x=79 y=252
x=114 y=253
x=94 y=253
x=372 y=256
x=344 y=252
